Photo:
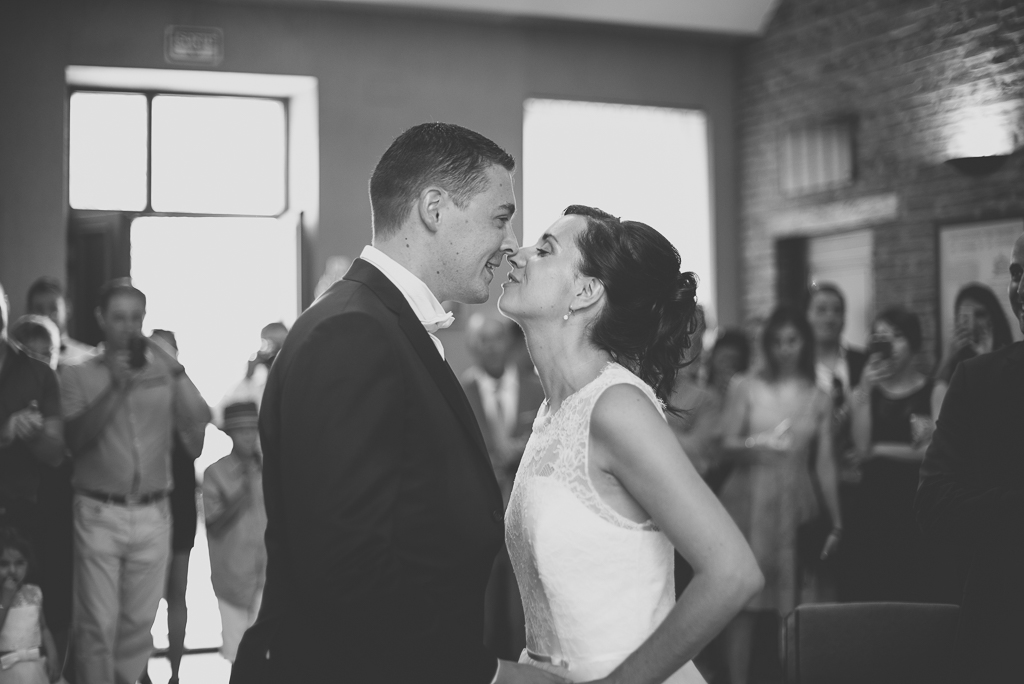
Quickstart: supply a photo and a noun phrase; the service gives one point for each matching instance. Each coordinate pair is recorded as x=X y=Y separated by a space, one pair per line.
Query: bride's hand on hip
x=514 y=673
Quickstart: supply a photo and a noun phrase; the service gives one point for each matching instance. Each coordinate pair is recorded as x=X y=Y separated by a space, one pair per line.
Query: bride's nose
x=518 y=258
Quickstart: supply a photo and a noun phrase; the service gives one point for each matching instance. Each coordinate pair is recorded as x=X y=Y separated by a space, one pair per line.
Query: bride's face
x=542 y=282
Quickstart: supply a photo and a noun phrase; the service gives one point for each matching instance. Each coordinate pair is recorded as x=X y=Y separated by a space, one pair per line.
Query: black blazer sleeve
x=954 y=500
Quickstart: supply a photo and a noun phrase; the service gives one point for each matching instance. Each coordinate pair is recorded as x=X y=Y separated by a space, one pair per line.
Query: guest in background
x=730 y=356
x=30 y=655
x=773 y=418
x=184 y=520
x=505 y=401
x=892 y=426
x=980 y=327
x=971 y=498
x=31 y=433
x=46 y=298
x=235 y=522
x=123 y=407
x=251 y=386
x=38 y=337
x=838 y=368
x=696 y=426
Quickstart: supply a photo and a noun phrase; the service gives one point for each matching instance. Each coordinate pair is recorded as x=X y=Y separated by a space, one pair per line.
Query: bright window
x=218 y=155
x=646 y=164
x=107 y=155
x=215 y=282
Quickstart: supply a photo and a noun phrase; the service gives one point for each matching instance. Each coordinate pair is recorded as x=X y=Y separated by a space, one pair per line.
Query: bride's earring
x=566 y=316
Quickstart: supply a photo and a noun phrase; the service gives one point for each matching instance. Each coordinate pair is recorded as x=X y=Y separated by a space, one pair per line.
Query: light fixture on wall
x=978 y=166
x=983 y=140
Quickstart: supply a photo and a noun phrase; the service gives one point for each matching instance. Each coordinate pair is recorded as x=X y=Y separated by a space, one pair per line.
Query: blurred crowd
x=99 y=499
x=813 y=446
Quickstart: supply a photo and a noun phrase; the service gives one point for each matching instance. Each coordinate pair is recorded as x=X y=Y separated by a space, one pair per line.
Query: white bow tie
x=432 y=325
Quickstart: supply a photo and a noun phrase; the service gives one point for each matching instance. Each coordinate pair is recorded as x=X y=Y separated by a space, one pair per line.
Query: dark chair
x=870 y=643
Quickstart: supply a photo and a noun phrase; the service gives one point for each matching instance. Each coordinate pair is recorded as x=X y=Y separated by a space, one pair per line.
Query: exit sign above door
x=193 y=45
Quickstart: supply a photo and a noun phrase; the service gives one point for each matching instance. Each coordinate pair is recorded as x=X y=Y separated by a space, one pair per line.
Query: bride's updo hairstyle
x=650 y=318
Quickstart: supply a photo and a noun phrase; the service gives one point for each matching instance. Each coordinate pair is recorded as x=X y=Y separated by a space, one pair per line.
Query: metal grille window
x=816 y=158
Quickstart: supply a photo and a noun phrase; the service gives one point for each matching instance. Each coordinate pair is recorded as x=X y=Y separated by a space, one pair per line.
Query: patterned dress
x=769 y=501
x=21 y=638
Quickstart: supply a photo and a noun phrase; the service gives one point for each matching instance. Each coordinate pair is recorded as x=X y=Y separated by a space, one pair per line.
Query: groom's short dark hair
x=449 y=156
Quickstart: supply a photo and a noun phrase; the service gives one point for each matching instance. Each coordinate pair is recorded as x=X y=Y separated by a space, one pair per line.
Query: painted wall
x=378 y=72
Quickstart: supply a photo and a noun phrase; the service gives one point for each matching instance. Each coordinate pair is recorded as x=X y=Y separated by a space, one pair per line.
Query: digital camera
x=137 y=352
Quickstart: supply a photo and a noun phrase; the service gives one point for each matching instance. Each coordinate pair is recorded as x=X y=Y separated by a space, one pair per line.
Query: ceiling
x=735 y=17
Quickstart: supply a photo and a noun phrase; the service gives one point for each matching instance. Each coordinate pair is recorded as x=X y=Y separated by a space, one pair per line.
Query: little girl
x=28 y=654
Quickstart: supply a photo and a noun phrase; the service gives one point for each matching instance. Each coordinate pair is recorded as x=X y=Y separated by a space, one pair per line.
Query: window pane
x=218 y=155
x=646 y=164
x=107 y=156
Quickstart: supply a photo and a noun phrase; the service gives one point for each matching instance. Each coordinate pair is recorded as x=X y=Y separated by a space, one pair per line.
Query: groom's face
x=477 y=237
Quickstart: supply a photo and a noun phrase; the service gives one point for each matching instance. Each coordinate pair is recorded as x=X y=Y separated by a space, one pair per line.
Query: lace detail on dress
x=27 y=595
x=560 y=444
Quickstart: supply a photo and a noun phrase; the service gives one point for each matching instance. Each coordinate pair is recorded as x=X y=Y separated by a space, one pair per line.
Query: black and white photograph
x=512 y=342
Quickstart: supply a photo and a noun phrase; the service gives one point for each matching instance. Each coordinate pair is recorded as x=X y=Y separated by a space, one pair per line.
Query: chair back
x=870 y=643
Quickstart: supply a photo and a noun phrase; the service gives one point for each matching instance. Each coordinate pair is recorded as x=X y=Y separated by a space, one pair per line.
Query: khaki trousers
x=121 y=555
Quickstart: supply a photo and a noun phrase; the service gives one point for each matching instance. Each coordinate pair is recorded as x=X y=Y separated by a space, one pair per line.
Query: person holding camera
x=892 y=427
x=122 y=409
x=980 y=327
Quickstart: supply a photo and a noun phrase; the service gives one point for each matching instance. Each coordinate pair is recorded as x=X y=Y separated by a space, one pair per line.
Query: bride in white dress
x=604 y=491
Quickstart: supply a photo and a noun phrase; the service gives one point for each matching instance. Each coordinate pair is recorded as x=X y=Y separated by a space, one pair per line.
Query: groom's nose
x=509 y=243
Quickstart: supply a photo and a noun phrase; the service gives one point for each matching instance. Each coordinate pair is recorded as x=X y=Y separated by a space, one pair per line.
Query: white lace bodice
x=594 y=583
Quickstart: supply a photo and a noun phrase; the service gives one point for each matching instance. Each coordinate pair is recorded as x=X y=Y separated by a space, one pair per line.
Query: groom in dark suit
x=972 y=496
x=384 y=516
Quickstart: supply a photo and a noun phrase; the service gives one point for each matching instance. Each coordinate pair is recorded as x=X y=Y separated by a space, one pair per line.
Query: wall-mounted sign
x=193 y=45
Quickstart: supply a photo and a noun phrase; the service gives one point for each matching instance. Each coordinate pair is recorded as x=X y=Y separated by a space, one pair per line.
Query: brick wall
x=909 y=72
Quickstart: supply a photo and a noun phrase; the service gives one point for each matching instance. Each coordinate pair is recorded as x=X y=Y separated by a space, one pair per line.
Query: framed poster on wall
x=976 y=252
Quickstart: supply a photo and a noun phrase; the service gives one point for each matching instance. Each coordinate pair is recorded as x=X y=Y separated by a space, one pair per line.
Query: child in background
x=39 y=337
x=27 y=650
x=235 y=522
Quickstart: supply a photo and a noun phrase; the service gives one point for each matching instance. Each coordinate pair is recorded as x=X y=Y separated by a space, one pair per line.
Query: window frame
x=150 y=94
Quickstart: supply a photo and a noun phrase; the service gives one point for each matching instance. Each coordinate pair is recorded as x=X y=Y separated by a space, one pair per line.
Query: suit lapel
x=367 y=274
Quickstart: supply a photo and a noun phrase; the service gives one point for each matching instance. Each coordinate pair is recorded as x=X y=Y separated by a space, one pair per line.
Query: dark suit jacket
x=531 y=395
x=384 y=517
x=972 y=495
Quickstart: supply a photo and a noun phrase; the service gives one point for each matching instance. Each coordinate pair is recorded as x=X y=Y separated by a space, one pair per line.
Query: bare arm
x=656 y=473
x=938 y=394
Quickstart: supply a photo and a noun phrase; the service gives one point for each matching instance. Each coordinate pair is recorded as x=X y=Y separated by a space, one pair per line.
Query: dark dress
x=892 y=557
x=183 y=499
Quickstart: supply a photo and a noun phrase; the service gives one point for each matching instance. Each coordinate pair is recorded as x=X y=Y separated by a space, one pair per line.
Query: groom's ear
x=590 y=292
x=430 y=207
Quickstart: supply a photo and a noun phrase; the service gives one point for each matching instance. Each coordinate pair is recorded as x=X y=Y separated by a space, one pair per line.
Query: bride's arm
x=631 y=441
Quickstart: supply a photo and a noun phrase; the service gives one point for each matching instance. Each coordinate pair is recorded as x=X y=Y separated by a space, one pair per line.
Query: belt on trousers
x=557 y=662
x=9 y=659
x=124 y=499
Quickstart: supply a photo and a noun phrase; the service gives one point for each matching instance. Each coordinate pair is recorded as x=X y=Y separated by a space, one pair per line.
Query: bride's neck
x=564 y=358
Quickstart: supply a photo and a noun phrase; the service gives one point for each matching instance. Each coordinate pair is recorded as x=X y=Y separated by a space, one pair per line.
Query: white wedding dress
x=594 y=584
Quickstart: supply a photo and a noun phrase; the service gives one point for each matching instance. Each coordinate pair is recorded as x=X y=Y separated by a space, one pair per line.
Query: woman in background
x=980 y=327
x=773 y=419
x=892 y=427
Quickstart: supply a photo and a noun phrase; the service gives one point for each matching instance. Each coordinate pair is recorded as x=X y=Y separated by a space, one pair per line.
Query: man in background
x=122 y=408
x=505 y=401
x=971 y=497
x=31 y=434
x=46 y=298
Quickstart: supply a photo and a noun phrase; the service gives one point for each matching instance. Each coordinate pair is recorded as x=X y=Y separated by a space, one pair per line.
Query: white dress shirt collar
x=423 y=302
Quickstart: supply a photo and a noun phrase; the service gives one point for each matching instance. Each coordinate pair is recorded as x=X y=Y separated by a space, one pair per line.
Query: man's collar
x=423 y=302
